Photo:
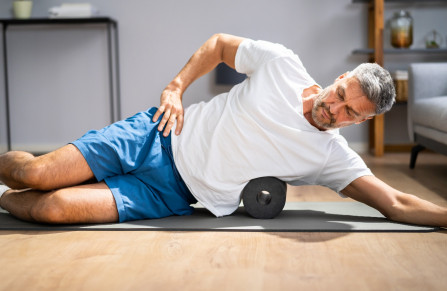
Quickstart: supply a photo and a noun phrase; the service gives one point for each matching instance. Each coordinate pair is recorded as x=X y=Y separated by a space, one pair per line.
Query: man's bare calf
x=92 y=203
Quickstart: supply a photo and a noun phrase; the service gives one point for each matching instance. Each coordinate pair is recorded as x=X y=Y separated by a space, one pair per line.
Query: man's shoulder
x=262 y=51
x=269 y=46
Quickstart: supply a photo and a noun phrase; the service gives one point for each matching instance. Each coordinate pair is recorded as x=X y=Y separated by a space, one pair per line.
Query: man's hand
x=172 y=107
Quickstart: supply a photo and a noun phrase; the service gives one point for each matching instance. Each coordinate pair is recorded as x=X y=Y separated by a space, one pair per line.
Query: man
x=278 y=122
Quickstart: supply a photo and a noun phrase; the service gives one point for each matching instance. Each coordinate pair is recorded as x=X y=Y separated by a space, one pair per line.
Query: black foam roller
x=264 y=197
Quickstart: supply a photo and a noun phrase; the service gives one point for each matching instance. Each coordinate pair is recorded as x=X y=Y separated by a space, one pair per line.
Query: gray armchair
x=427 y=108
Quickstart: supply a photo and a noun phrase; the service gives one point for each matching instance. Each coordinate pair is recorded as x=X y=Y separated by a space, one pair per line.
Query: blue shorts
x=135 y=161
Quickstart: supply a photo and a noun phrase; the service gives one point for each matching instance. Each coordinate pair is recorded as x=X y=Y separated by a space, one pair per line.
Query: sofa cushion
x=431 y=112
x=436 y=135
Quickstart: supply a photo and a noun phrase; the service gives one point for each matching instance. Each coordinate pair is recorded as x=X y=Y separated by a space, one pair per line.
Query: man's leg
x=92 y=203
x=62 y=168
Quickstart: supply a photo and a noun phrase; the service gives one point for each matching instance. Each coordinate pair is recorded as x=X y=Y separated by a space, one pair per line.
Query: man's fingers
x=179 y=126
x=169 y=125
x=164 y=120
x=159 y=112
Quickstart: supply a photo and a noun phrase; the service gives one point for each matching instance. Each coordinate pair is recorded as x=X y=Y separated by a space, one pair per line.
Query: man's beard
x=318 y=117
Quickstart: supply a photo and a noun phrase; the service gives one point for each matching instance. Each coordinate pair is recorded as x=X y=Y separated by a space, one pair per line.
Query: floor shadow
x=311 y=237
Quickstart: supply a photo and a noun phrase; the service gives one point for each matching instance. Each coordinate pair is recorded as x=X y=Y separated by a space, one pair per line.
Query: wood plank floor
x=141 y=260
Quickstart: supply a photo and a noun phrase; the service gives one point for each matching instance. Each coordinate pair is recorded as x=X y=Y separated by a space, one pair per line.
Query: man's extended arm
x=219 y=48
x=395 y=204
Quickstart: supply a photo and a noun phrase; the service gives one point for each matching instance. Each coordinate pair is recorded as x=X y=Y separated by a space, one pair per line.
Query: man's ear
x=365 y=119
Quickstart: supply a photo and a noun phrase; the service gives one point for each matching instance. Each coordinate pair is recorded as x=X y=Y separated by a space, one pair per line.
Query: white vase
x=22 y=9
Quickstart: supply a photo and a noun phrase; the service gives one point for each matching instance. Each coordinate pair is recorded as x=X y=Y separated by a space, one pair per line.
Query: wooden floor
x=149 y=260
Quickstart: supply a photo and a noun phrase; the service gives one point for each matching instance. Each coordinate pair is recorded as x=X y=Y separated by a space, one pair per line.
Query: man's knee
x=49 y=209
x=34 y=175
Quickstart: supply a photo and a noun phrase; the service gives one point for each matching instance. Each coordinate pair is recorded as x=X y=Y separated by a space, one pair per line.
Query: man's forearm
x=412 y=209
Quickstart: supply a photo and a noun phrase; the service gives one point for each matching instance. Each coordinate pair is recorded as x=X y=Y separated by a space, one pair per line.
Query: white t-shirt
x=258 y=129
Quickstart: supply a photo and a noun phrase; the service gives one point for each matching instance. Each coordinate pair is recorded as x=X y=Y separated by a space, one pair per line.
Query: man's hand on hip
x=172 y=107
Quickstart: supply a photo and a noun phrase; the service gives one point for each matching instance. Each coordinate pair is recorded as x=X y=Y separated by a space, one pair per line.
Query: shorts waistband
x=167 y=146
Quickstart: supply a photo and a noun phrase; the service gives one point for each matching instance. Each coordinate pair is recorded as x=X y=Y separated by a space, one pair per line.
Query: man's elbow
x=227 y=45
x=398 y=209
x=394 y=212
x=217 y=43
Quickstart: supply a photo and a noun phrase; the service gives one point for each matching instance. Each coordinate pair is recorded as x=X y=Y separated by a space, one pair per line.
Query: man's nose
x=335 y=107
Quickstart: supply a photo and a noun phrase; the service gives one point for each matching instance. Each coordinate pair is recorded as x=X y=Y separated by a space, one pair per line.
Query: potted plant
x=22 y=8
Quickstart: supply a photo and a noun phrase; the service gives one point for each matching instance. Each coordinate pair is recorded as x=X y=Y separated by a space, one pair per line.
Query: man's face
x=341 y=104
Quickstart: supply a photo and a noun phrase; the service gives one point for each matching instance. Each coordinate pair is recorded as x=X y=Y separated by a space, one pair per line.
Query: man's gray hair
x=377 y=84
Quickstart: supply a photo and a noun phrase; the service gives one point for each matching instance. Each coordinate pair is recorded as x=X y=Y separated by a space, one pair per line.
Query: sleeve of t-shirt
x=253 y=54
x=342 y=167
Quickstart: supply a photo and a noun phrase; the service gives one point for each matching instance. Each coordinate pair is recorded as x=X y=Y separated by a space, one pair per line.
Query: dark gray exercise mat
x=296 y=217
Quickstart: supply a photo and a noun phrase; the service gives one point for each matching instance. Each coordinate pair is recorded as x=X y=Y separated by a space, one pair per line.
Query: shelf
x=34 y=21
x=402 y=51
x=376 y=53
